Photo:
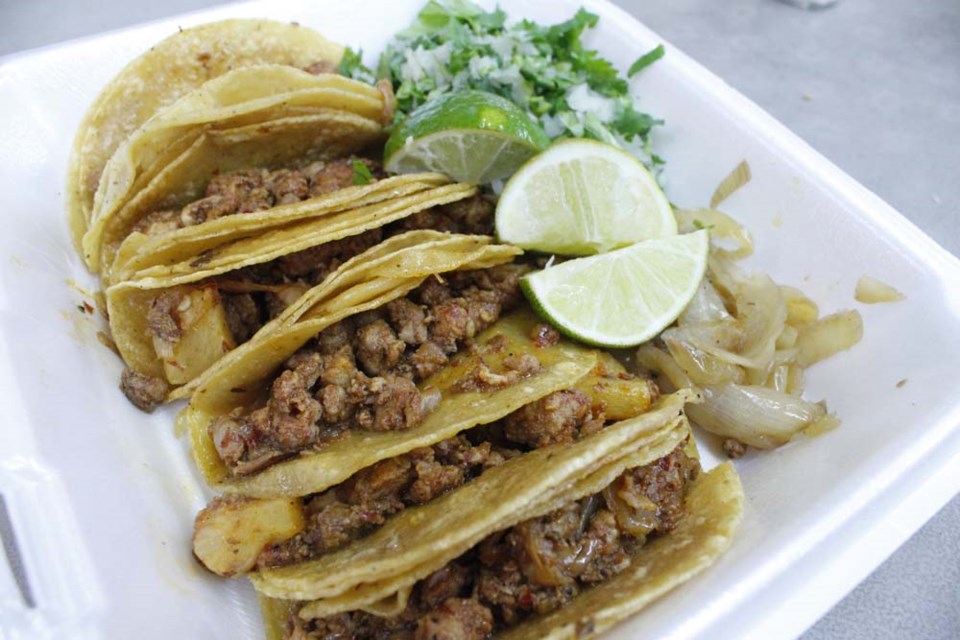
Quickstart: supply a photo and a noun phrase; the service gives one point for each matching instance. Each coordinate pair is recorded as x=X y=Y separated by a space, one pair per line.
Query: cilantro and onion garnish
x=568 y=89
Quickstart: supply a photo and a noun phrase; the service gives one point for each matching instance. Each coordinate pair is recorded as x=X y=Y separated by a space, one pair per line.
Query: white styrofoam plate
x=101 y=497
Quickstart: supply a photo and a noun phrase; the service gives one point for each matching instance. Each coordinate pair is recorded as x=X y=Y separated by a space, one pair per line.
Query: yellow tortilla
x=323 y=135
x=163 y=73
x=420 y=540
x=139 y=251
x=714 y=507
x=312 y=472
x=242 y=99
x=274 y=242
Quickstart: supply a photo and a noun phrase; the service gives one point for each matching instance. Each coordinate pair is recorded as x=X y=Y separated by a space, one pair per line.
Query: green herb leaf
x=351 y=65
x=361 y=173
x=646 y=60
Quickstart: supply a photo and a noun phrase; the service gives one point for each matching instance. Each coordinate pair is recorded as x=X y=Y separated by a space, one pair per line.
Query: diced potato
x=230 y=533
x=619 y=399
x=204 y=335
x=827 y=336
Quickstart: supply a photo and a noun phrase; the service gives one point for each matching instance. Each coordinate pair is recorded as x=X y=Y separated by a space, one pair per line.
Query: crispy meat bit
x=539 y=565
x=397 y=405
x=162 y=317
x=330 y=176
x=364 y=370
x=319 y=261
x=378 y=348
x=293 y=411
x=456 y=619
x=544 y=335
x=734 y=448
x=321 y=66
x=243 y=315
x=449 y=581
x=472 y=215
x=255 y=190
x=428 y=359
x=409 y=319
x=287 y=186
x=145 y=392
x=650 y=498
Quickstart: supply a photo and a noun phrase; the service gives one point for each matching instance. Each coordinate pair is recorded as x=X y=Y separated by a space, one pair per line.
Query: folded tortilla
x=378 y=574
x=387 y=272
x=206 y=265
x=167 y=71
x=261 y=116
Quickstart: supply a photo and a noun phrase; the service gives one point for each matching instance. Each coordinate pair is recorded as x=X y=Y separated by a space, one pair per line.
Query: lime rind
x=472 y=136
x=464 y=155
x=622 y=298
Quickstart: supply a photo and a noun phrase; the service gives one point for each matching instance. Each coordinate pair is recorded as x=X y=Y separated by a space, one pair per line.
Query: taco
x=171 y=322
x=167 y=71
x=485 y=417
x=369 y=338
x=539 y=547
x=255 y=118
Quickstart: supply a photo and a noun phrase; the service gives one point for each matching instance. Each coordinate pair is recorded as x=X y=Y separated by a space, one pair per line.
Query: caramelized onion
x=760 y=417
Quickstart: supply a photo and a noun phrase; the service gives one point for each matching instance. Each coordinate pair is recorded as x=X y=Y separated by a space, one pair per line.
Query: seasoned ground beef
x=354 y=508
x=362 y=503
x=532 y=568
x=544 y=335
x=472 y=215
x=257 y=189
x=564 y=416
x=362 y=372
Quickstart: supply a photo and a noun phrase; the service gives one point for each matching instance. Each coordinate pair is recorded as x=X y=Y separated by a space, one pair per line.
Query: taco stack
x=517 y=430
x=223 y=207
x=569 y=565
x=172 y=321
x=400 y=448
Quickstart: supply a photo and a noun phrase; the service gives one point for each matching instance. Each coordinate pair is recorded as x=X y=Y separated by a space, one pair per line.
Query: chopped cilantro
x=646 y=60
x=361 y=173
x=351 y=65
x=570 y=89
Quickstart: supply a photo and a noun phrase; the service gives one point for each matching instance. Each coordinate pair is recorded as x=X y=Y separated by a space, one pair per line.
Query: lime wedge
x=581 y=197
x=622 y=298
x=472 y=136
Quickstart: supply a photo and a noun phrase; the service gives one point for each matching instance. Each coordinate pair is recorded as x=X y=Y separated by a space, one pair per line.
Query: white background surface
x=874 y=86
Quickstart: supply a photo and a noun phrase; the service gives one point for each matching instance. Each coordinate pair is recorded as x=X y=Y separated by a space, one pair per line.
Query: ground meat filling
x=473 y=215
x=362 y=372
x=533 y=568
x=257 y=189
x=364 y=502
